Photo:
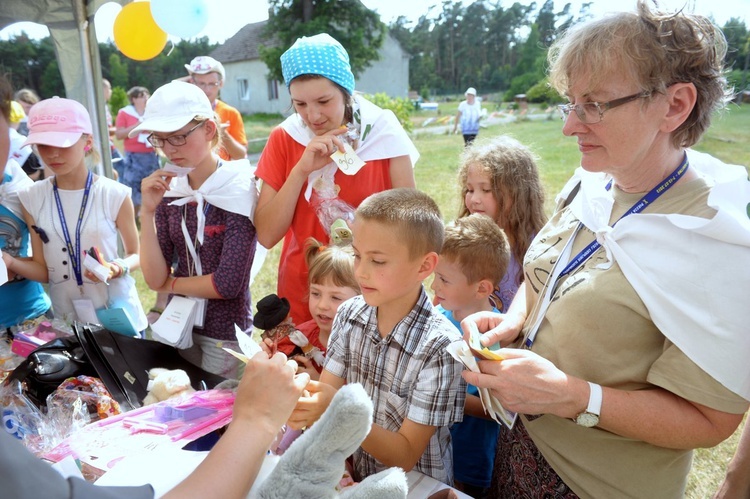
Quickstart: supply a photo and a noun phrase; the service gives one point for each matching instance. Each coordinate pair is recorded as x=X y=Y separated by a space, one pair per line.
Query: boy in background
x=474 y=257
x=392 y=341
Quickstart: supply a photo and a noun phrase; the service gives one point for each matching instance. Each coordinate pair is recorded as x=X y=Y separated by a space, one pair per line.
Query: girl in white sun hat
x=200 y=208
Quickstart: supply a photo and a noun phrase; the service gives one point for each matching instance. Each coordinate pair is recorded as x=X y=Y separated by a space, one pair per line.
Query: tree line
x=451 y=47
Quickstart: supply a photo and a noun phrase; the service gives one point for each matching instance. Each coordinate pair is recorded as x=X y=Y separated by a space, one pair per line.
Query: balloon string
x=171 y=48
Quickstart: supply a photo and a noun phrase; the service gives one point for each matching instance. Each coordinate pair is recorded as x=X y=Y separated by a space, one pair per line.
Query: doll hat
x=272 y=310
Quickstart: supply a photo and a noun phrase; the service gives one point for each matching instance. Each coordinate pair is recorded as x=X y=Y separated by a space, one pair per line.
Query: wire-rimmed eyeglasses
x=593 y=112
x=208 y=84
x=175 y=140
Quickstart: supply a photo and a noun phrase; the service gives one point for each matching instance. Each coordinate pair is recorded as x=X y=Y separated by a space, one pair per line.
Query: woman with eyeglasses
x=626 y=347
x=140 y=158
x=199 y=208
x=72 y=212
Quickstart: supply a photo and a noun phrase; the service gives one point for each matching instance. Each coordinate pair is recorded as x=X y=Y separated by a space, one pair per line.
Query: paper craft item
x=347 y=160
x=476 y=346
x=462 y=352
x=248 y=345
x=117 y=320
x=96 y=267
x=180 y=171
x=175 y=325
x=85 y=310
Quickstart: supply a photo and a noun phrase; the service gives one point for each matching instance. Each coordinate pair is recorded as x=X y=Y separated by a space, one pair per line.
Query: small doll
x=274 y=319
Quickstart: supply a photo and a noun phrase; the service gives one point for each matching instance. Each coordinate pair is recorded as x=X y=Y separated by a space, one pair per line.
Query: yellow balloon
x=136 y=33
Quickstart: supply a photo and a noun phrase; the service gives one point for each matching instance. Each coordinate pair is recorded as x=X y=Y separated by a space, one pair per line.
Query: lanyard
x=74 y=253
x=193 y=247
x=585 y=253
x=649 y=198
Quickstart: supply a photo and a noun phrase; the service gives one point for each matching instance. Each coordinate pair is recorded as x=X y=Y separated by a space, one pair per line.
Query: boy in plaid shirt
x=392 y=341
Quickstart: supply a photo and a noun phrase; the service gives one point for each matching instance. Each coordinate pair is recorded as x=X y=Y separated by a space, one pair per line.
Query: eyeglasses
x=207 y=85
x=175 y=140
x=593 y=112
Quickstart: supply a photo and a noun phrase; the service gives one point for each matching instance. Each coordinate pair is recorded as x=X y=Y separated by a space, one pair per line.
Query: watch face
x=587 y=419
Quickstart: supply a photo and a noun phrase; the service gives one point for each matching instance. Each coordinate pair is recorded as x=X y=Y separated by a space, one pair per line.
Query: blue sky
x=226 y=17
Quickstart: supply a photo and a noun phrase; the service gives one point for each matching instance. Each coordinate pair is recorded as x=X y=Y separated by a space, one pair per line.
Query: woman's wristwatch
x=590 y=417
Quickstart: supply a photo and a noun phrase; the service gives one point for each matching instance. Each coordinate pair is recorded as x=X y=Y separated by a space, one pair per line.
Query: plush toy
x=314 y=464
x=165 y=384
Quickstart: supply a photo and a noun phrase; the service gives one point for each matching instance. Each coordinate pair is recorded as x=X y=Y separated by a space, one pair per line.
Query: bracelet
x=173 y=283
x=124 y=267
x=119 y=272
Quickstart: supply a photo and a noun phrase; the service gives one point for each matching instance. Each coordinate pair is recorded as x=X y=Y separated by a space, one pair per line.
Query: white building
x=248 y=88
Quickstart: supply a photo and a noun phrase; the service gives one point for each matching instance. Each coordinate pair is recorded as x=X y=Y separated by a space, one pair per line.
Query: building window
x=244 y=88
x=273 y=89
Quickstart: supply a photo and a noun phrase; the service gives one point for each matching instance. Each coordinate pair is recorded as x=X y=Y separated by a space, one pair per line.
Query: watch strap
x=595 y=399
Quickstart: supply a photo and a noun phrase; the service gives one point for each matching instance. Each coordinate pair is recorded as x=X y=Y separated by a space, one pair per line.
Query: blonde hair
x=516 y=186
x=413 y=215
x=478 y=246
x=330 y=262
x=26 y=95
x=216 y=140
x=656 y=50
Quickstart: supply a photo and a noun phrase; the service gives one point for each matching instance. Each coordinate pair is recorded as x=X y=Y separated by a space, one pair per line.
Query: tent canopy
x=71 y=26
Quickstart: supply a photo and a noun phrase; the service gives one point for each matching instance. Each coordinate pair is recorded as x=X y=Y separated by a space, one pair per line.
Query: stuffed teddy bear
x=314 y=464
x=165 y=384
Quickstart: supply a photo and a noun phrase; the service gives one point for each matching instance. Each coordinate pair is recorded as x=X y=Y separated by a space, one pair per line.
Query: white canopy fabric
x=71 y=26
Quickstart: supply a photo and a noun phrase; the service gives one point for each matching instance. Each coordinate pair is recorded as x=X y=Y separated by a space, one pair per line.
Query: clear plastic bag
x=328 y=206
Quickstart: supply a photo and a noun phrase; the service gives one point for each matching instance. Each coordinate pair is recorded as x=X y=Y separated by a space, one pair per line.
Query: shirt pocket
x=395 y=410
x=59 y=273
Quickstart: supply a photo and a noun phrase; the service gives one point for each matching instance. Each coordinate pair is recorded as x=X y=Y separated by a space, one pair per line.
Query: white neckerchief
x=130 y=110
x=689 y=271
x=381 y=136
x=232 y=187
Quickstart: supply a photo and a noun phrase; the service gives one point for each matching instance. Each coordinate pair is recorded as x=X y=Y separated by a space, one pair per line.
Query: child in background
x=474 y=258
x=499 y=178
x=393 y=341
x=332 y=282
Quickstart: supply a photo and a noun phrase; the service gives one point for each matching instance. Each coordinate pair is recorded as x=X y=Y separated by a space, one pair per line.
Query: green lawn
x=728 y=139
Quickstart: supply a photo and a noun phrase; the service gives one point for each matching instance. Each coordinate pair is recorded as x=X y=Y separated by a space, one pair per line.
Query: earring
x=87 y=149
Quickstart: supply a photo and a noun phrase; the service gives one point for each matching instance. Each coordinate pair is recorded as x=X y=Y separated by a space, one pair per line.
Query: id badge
x=200 y=311
x=85 y=310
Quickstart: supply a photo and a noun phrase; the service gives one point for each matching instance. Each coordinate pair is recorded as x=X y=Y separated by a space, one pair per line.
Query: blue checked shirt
x=408 y=374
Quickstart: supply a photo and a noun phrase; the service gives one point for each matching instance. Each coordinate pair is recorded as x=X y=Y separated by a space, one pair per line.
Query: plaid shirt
x=408 y=374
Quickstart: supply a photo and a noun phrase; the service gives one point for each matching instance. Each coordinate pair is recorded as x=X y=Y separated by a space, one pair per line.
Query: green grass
x=728 y=139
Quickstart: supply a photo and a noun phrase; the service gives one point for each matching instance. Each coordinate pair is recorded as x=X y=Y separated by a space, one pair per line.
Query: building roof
x=243 y=46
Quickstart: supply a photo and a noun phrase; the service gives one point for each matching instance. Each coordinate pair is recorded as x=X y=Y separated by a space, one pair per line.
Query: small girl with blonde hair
x=331 y=282
x=499 y=178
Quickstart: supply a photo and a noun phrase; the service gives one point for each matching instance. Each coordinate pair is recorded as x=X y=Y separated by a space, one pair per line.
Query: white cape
x=690 y=272
x=381 y=137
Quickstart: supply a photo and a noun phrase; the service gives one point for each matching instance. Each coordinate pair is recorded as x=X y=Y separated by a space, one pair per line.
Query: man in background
x=208 y=74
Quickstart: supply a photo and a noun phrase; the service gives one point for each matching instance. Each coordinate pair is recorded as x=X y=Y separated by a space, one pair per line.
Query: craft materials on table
x=167 y=424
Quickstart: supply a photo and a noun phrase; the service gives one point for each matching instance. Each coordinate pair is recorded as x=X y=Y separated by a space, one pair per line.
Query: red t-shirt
x=280 y=155
x=125 y=120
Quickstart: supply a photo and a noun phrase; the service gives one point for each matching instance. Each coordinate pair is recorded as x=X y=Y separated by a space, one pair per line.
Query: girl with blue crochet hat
x=296 y=165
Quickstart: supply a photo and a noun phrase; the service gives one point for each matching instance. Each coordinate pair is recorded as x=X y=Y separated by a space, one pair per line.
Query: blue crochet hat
x=318 y=55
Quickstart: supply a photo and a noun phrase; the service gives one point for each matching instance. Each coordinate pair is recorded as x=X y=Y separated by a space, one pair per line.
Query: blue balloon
x=183 y=18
